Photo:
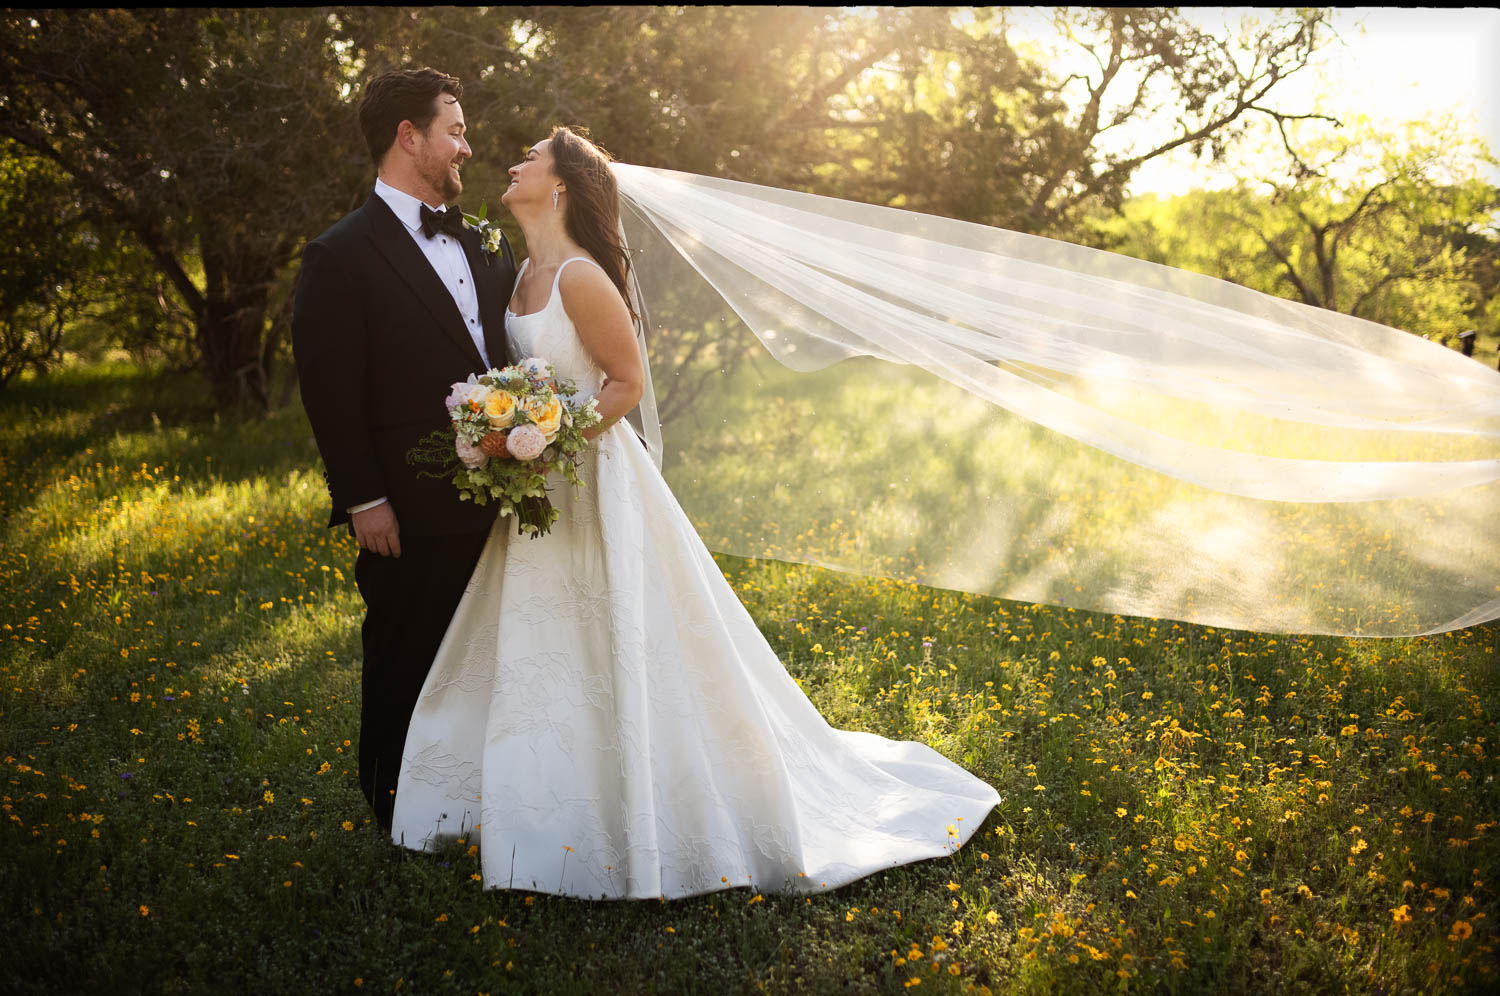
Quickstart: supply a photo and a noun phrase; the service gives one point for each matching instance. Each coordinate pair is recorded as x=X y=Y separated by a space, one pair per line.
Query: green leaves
x=477 y=220
x=1389 y=225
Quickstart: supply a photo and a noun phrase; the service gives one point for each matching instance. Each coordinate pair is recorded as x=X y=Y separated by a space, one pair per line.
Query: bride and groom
x=594 y=708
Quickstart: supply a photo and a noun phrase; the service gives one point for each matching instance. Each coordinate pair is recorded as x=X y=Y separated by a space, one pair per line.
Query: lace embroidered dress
x=605 y=719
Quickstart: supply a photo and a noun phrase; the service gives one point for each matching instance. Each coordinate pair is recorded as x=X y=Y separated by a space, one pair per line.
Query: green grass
x=1184 y=807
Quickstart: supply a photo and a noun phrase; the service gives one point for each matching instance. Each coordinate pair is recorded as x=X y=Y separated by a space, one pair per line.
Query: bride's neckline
x=556 y=278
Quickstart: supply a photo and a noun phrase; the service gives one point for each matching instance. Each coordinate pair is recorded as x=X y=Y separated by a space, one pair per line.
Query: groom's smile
x=444 y=151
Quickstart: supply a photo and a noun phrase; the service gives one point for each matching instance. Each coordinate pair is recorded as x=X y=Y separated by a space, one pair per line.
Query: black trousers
x=409 y=601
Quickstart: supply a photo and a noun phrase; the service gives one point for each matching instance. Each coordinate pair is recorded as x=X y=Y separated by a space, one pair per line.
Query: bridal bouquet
x=510 y=428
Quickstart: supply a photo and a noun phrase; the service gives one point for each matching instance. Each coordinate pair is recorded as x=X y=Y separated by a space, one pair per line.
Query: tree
x=218 y=140
x=222 y=140
x=45 y=260
x=1155 y=64
x=956 y=121
x=929 y=108
x=926 y=108
x=1376 y=224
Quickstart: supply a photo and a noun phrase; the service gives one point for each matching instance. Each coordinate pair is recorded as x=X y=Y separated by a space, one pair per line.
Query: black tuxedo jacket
x=378 y=342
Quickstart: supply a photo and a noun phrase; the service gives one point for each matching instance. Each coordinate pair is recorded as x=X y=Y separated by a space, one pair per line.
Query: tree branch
x=1290 y=272
x=1347 y=223
x=148 y=236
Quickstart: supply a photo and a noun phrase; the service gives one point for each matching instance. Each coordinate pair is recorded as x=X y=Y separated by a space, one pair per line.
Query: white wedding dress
x=605 y=720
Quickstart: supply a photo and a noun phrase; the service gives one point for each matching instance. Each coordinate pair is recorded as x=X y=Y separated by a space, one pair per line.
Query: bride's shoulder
x=580 y=270
x=585 y=287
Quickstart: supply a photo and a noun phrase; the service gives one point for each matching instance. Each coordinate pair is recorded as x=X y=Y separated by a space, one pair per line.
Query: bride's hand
x=599 y=430
x=602 y=427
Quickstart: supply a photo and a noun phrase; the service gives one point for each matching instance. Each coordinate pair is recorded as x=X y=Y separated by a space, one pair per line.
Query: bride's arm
x=604 y=327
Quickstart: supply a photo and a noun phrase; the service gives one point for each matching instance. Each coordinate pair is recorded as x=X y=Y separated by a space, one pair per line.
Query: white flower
x=526 y=442
x=535 y=366
x=469 y=455
x=459 y=392
x=477 y=395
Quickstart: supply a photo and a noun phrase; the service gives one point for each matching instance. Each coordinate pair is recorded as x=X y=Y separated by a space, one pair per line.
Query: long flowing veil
x=906 y=396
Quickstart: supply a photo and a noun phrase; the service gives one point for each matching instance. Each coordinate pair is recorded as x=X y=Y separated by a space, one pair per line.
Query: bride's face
x=532 y=180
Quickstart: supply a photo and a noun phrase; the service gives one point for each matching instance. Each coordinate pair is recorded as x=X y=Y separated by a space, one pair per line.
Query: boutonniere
x=489 y=234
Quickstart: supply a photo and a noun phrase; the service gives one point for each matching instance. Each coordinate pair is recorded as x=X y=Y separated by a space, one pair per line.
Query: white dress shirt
x=449 y=262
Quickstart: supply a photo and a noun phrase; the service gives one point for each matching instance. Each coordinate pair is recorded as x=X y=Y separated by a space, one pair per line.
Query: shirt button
x=460 y=279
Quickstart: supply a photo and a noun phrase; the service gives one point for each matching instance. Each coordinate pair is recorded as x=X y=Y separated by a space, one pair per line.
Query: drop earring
x=554 y=200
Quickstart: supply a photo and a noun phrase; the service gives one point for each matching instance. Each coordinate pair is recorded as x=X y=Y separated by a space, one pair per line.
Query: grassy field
x=1184 y=808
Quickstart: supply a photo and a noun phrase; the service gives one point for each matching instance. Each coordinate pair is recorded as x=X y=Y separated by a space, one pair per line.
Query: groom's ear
x=406 y=135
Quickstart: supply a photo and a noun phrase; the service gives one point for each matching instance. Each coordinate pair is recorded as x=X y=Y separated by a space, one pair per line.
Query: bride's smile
x=531 y=180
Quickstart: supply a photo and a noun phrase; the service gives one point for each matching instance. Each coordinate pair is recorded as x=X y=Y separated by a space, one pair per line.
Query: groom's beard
x=452 y=186
x=441 y=179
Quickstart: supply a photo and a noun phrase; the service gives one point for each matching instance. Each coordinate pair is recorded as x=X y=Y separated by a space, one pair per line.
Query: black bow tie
x=450 y=221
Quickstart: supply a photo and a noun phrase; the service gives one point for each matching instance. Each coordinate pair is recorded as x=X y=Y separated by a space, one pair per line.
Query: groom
x=395 y=303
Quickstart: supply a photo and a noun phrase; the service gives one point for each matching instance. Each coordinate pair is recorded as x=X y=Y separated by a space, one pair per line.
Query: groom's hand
x=376 y=529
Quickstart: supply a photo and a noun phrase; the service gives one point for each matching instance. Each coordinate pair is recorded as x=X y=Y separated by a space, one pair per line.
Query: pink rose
x=469 y=455
x=526 y=442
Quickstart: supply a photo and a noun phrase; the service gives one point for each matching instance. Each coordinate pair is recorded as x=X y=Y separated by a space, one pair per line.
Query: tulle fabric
x=966 y=407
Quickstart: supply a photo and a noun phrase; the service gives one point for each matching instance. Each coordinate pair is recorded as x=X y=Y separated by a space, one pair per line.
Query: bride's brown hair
x=593 y=212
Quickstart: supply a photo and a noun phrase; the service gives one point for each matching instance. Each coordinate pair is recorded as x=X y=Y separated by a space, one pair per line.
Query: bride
x=603 y=716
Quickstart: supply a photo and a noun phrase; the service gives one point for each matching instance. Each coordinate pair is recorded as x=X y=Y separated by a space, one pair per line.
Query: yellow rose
x=501 y=409
x=546 y=414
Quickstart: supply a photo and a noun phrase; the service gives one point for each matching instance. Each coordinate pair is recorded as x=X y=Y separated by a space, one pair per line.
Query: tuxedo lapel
x=493 y=276
x=396 y=245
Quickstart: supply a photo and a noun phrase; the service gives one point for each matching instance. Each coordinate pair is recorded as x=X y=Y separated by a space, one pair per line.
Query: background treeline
x=161 y=170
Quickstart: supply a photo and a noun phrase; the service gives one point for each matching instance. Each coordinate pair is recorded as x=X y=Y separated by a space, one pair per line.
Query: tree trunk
x=231 y=323
x=230 y=338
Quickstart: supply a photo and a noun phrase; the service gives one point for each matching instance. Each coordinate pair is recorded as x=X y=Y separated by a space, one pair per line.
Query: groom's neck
x=411 y=186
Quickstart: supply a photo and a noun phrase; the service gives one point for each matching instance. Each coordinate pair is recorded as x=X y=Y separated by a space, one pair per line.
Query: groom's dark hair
x=402 y=95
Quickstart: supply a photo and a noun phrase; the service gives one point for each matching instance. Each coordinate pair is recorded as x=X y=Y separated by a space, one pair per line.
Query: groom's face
x=442 y=150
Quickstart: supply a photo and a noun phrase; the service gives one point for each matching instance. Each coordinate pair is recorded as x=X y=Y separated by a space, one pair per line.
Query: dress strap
x=516 y=284
x=558 y=278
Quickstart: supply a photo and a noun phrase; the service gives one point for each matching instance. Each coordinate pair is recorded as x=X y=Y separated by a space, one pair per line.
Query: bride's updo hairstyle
x=593 y=209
